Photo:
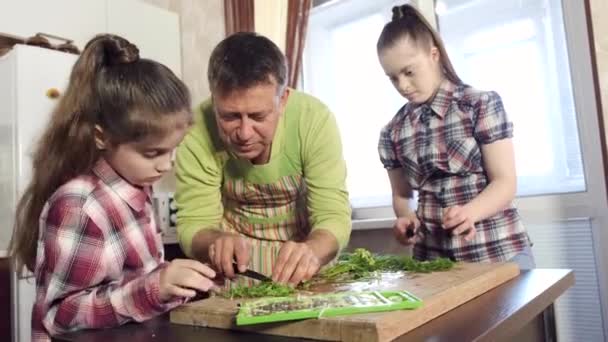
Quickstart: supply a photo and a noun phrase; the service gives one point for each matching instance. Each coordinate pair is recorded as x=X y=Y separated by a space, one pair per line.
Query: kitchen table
x=521 y=309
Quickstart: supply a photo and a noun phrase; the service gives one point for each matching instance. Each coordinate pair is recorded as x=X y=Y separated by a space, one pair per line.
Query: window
x=341 y=68
x=517 y=48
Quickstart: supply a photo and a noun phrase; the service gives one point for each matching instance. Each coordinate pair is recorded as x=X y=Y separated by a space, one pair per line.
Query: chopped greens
x=264 y=289
x=362 y=264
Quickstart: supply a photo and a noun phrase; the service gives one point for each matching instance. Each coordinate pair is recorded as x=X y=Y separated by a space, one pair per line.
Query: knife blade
x=251 y=274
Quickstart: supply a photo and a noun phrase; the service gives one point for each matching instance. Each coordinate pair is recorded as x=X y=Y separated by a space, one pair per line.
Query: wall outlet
x=165 y=211
x=172 y=213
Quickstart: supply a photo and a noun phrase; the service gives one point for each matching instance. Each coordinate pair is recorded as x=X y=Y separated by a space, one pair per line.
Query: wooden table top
x=497 y=314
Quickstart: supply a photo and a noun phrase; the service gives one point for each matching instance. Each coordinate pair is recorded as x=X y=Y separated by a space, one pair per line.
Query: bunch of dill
x=362 y=264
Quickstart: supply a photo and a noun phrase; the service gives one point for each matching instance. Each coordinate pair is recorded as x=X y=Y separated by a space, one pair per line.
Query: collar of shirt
x=440 y=104
x=134 y=196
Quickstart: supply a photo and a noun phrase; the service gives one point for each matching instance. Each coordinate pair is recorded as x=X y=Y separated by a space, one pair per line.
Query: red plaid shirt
x=438 y=146
x=99 y=256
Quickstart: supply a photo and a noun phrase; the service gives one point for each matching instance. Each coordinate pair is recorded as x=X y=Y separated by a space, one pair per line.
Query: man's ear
x=100 y=140
x=283 y=99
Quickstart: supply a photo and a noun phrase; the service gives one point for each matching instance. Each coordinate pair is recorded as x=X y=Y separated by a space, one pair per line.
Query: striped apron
x=267 y=215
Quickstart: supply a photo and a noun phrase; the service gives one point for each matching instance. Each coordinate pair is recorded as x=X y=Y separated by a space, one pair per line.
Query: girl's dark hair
x=243 y=60
x=407 y=22
x=129 y=98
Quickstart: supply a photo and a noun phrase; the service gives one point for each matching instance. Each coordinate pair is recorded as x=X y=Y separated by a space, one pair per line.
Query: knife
x=251 y=274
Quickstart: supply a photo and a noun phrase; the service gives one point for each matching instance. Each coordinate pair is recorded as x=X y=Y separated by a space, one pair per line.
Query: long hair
x=407 y=22
x=130 y=98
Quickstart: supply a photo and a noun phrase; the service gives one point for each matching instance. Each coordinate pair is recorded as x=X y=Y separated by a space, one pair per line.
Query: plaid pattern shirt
x=98 y=258
x=437 y=145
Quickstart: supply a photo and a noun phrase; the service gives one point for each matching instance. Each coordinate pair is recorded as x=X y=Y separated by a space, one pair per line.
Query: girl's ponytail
x=408 y=22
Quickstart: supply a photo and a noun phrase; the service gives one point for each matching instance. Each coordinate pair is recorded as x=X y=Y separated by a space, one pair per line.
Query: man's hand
x=226 y=249
x=296 y=262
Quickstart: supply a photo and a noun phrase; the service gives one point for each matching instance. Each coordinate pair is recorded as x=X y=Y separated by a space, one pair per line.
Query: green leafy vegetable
x=362 y=264
x=264 y=289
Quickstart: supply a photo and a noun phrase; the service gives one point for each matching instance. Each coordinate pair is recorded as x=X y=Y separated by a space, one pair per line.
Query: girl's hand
x=405 y=228
x=183 y=277
x=460 y=220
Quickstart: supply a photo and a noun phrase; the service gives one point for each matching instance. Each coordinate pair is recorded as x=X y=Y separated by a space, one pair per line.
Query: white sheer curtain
x=519 y=49
x=342 y=69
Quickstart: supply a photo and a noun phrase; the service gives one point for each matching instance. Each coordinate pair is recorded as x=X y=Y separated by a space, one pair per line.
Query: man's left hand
x=296 y=262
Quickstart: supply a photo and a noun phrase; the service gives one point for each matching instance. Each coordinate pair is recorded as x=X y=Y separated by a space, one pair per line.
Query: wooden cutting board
x=440 y=292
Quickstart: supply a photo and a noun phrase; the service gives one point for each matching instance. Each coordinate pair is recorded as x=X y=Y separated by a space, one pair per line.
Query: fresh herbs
x=264 y=289
x=362 y=264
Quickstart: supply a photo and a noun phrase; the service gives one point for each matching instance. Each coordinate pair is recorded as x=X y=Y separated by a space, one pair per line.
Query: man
x=261 y=176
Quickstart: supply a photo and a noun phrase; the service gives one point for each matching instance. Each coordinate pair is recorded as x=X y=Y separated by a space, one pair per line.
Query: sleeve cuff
x=341 y=234
x=153 y=293
x=185 y=236
x=504 y=131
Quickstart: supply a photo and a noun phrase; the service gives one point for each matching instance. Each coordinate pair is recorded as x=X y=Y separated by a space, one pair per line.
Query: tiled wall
x=202 y=27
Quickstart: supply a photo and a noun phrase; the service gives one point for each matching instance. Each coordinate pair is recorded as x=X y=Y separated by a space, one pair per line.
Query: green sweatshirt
x=301 y=188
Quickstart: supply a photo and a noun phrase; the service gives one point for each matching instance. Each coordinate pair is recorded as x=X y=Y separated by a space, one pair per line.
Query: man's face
x=247 y=119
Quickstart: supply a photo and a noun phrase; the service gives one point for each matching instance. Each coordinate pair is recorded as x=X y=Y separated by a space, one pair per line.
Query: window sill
x=169 y=239
x=375 y=223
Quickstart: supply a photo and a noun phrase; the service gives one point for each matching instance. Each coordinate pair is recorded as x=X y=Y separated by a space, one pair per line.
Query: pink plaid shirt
x=99 y=256
x=438 y=146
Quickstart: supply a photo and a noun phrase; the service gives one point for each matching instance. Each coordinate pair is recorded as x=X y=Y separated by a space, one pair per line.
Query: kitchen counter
x=520 y=309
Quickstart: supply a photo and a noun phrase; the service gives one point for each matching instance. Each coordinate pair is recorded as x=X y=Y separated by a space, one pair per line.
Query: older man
x=261 y=176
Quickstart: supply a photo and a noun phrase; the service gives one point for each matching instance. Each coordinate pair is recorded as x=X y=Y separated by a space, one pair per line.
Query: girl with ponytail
x=451 y=143
x=85 y=224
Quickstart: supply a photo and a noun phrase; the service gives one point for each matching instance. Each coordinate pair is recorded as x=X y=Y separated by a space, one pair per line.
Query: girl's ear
x=100 y=140
x=435 y=54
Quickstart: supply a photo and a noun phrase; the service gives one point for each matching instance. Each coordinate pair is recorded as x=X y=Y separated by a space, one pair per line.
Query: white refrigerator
x=27 y=73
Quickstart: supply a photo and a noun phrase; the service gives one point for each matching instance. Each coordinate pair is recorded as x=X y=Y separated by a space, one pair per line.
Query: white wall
x=155 y=31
